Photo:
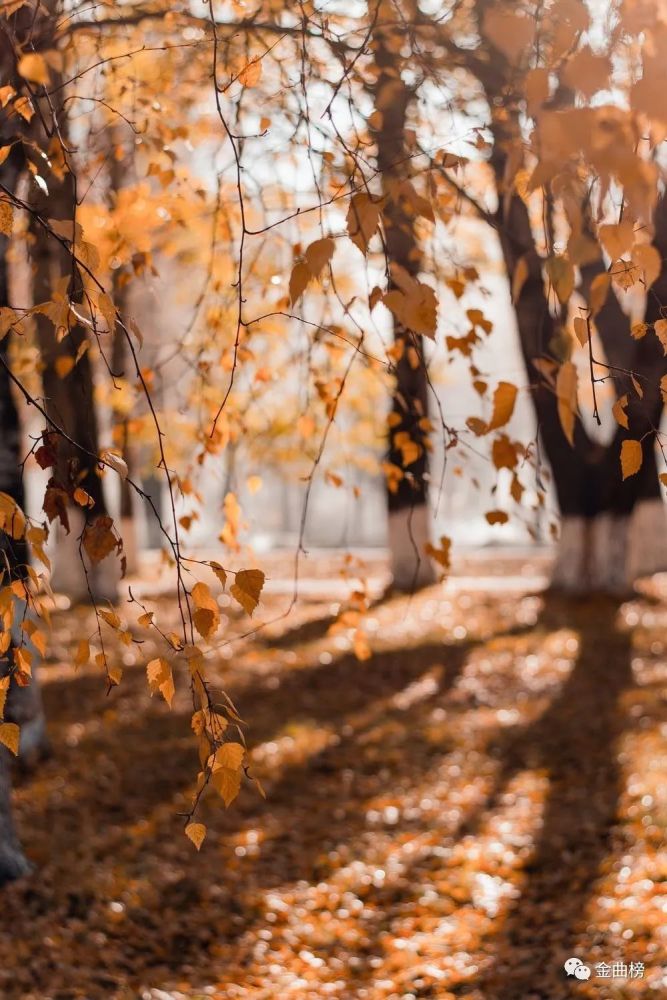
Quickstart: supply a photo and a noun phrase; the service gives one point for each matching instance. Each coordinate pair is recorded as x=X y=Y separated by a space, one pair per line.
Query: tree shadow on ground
x=118 y=811
x=575 y=743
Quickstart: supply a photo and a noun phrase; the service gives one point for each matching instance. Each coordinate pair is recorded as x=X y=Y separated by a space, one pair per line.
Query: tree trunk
x=70 y=403
x=408 y=498
x=603 y=518
x=23 y=703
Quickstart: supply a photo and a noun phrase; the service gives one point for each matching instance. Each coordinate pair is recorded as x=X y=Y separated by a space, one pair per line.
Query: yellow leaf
x=631 y=457
x=566 y=391
x=6 y=218
x=10 y=735
x=227 y=781
x=504 y=399
x=82 y=498
x=110 y=617
x=206 y=616
x=618 y=411
x=160 y=679
x=196 y=832
x=82 y=654
x=229 y=755
x=251 y=73
x=4 y=688
x=663 y=478
x=32 y=66
x=220 y=572
x=660 y=327
x=648 y=259
x=247 y=588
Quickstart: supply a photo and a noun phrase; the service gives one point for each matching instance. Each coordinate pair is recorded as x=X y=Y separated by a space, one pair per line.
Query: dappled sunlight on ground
x=452 y=818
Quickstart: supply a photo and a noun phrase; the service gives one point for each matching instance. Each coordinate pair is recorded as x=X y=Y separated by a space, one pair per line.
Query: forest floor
x=454 y=817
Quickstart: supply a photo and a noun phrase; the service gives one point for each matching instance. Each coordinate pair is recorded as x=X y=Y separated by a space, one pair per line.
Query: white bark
x=409 y=533
x=71 y=564
x=128 y=532
x=608 y=553
x=647 y=539
x=568 y=570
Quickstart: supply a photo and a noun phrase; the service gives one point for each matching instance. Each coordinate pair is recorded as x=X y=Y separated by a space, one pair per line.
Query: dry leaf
x=631 y=457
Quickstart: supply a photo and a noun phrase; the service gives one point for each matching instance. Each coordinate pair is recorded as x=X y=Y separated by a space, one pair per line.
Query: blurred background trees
x=385 y=274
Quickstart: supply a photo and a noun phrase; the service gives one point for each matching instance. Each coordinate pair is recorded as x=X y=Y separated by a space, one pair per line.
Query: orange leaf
x=631 y=457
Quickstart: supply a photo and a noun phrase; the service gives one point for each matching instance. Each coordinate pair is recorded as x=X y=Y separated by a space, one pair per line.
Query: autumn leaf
x=581 y=330
x=298 y=281
x=160 y=679
x=99 y=540
x=618 y=411
x=251 y=73
x=206 y=616
x=363 y=219
x=10 y=736
x=196 y=832
x=561 y=276
x=247 y=588
x=220 y=572
x=660 y=327
x=32 y=66
x=504 y=399
x=566 y=392
x=318 y=255
x=631 y=457
x=414 y=306
x=6 y=218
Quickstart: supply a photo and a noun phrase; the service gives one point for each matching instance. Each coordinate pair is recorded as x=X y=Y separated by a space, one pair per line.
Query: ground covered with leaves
x=453 y=817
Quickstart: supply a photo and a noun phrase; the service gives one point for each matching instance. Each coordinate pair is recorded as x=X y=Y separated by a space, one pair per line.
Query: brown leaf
x=247 y=588
x=363 y=218
x=160 y=679
x=298 y=281
x=318 y=255
x=98 y=538
x=566 y=391
x=504 y=399
x=631 y=457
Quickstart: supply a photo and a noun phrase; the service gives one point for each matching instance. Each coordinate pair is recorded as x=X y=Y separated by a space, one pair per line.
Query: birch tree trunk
x=21 y=702
x=70 y=402
x=408 y=501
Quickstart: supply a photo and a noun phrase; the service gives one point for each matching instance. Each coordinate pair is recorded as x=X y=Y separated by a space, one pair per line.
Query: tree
x=408 y=423
x=266 y=190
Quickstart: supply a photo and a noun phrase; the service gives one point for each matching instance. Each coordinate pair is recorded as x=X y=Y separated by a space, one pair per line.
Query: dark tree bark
x=21 y=702
x=407 y=500
x=605 y=520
